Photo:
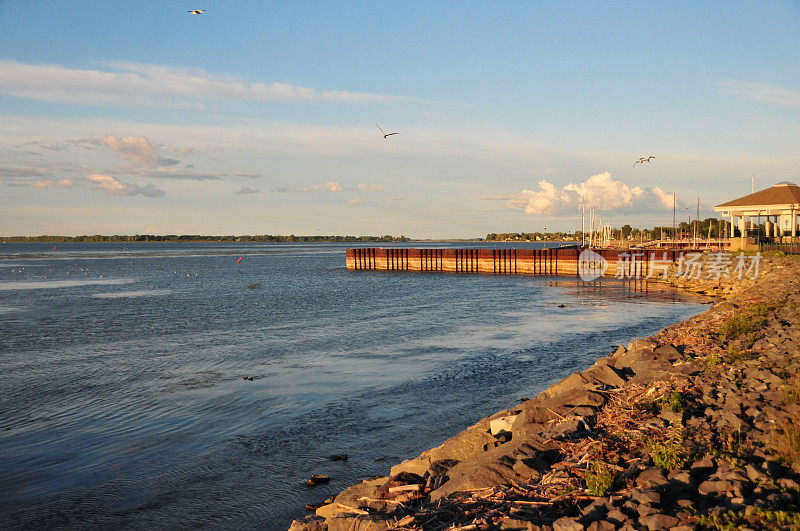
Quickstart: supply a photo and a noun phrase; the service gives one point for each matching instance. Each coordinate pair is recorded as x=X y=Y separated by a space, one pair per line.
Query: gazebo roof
x=784 y=193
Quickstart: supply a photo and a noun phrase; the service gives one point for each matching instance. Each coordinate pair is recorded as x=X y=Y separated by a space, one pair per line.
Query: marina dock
x=563 y=261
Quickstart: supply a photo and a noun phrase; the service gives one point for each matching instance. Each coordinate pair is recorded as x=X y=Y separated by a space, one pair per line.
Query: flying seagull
x=642 y=160
x=197 y=11
x=385 y=135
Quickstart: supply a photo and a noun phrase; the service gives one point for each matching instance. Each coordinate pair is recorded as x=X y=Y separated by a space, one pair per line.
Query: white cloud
x=329 y=186
x=61 y=183
x=371 y=187
x=546 y=200
x=600 y=191
x=605 y=193
x=763 y=93
x=137 y=151
x=112 y=186
x=355 y=201
x=24 y=172
x=245 y=190
x=135 y=84
x=664 y=197
x=183 y=174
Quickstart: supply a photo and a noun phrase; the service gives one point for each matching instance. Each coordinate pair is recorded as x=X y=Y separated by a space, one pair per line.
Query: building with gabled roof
x=779 y=205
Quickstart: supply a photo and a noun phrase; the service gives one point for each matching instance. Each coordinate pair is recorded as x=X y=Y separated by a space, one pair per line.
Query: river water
x=123 y=402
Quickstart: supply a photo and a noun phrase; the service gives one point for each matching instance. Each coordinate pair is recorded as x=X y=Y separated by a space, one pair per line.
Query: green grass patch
x=752 y=518
x=711 y=362
x=675 y=401
x=786 y=445
x=670 y=454
x=729 y=444
x=791 y=390
x=748 y=321
x=735 y=354
x=599 y=478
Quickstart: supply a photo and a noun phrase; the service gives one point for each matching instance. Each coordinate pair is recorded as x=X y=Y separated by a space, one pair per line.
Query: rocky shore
x=696 y=427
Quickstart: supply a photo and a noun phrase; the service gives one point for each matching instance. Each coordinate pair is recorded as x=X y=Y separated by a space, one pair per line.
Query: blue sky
x=134 y=117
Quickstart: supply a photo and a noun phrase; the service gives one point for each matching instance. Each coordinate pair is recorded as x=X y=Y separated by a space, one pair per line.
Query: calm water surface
x=123 y=403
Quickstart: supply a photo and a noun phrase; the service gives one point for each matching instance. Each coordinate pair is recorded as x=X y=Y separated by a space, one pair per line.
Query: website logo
x=591 y=265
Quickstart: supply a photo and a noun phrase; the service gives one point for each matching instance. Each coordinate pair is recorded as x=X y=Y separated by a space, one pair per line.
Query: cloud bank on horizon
x=600 y=191
x=112 y=186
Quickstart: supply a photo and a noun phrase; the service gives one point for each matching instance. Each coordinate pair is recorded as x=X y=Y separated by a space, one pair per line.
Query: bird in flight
x=642 y=160
x=385 y=135
x=197 y=11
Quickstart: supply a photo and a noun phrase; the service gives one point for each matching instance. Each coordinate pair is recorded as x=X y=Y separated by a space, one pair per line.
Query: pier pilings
x=562 y=261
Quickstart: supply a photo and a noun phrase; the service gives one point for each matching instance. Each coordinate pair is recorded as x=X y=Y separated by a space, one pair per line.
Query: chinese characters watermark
x=688 y=266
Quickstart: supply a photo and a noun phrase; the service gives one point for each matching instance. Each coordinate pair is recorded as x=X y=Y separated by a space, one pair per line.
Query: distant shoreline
x=267 y=238
x=194 y=238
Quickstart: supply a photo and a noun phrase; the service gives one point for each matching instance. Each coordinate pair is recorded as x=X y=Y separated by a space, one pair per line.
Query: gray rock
x=647 y=344
x=752 y=412
x=570 y=383
x=788 y=484
x=617 y=517
x=605 y=375
x=740 y=488
x=568 y=428
x=756 y=475
x=627 y=360
x=655 y=522
x=645 y=510
x=533 y=417
x=671 y=416
x=309 y=523
x=651 y=477
x=359 y=523
x=567 y=524
x=513 y=523
x=586 y=398
x=466 y=444
x=528 y=468
x=714 y=488
x=730 y=418
x=630 y=508
x=646 y=497
x=668 y=352
x=646 y=371
x=601 y=525
x=596 y=510
x=703 y=466
x=679 y=476
x=732 y=475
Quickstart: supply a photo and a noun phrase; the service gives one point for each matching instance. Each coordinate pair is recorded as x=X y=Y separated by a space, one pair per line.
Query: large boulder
x=518 y=461
x=633 y=356
x=603 y=373
x=350 y=497
x=466 y=444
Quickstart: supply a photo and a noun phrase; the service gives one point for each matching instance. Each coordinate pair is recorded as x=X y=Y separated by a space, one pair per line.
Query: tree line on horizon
x=626 y=232
x=264 y=238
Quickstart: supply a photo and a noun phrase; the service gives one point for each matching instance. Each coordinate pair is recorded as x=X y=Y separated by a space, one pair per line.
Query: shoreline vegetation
x=706 y=228
x=695 y=427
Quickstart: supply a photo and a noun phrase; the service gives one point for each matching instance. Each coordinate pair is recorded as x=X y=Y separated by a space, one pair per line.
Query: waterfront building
x=778 y=207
